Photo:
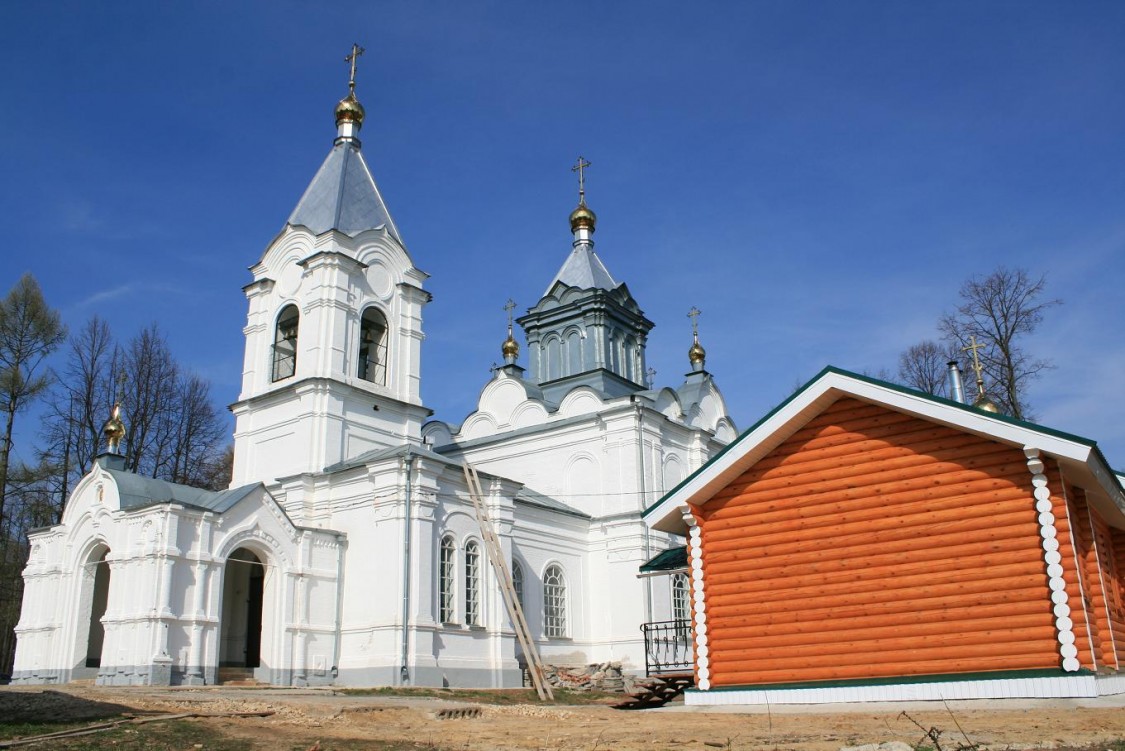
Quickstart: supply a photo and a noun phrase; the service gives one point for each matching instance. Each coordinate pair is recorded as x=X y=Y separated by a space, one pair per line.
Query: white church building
x=346 y=550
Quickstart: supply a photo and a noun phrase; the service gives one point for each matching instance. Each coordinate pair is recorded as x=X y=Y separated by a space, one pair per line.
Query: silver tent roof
x=584 y=270
x=343 y=196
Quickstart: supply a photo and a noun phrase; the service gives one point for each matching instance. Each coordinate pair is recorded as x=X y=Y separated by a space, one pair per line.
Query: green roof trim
x=998 y=675
x=829 y=369
x=672 y=559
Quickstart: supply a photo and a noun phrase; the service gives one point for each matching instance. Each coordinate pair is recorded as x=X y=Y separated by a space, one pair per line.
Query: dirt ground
x=303 y=717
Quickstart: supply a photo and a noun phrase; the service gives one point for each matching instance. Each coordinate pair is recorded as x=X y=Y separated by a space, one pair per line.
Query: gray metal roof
x=583 y=269
x=138 y=491
x=343 y=196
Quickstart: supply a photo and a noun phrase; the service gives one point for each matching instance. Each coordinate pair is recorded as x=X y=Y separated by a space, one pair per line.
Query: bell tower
x=334 y=329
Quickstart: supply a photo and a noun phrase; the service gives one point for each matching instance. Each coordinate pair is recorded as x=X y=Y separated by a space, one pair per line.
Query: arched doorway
x=240 y=645
x=95 y=595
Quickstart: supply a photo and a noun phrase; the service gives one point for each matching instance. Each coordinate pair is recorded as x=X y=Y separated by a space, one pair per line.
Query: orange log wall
x=874 y=544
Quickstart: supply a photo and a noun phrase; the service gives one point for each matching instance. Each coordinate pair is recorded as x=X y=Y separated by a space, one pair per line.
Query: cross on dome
x=352 y=58
x=580 y=168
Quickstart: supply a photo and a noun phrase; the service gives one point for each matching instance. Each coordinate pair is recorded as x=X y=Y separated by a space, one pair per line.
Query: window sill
x=474 y=627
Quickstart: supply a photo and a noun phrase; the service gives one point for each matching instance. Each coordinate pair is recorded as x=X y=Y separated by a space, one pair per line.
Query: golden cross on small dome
x=580 y=168
x=694 y=314
x=356 y=52
x=509 y=307
x=974 y=345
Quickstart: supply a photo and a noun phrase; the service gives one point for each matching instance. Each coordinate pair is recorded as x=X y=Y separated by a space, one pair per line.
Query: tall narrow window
x=472 y=584
x=554 y=602
x=517 y=582
x=680 y=598
x=373 y=347
x=447 y=571
x=285 y=343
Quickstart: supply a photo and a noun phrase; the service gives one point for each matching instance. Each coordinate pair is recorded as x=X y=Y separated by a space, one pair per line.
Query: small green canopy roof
x=672 y=559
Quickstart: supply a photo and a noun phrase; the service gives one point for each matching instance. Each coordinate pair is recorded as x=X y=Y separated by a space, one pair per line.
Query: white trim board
x=1077 y=686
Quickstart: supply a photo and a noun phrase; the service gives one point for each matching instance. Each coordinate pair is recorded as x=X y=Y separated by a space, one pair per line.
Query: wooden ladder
x=507 y=589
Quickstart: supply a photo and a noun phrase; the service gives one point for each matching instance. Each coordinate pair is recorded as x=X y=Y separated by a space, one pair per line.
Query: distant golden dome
x=114 y=429
x=697 y=354
x=986 y=405
x=510 y=348
x=349 y=110
x=582 y=217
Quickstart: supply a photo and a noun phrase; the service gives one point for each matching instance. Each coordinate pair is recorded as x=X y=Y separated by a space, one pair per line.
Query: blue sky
x=817 y=177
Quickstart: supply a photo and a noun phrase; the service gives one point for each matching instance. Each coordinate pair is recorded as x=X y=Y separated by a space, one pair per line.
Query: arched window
x=554 y=358
x=517 y=581
x=373 y=347
x=573 y=353
x=472 y=584
x=554 y=602
x=285 y=343
x=447 y=567
x=680 y=598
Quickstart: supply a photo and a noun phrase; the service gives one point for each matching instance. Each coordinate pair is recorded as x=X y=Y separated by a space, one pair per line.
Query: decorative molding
x=1068 y=652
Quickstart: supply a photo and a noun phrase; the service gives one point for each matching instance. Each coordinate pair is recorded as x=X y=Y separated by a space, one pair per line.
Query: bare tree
x=1001 y=311
x=198 y=431
x=925 y=367
x=29 y=331
x=80 y=403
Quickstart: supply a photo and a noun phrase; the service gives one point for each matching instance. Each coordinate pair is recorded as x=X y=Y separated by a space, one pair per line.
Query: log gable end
x=872 y=543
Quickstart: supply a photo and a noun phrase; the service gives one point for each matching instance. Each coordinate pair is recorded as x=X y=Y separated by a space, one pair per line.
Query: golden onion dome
x=510 y=348
x=697 y=354
x=986 y=405
x=114 y=428
x=582 y=217
x=349 y=110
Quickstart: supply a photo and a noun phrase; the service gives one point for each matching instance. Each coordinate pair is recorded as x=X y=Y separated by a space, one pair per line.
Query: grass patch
x=490 y=696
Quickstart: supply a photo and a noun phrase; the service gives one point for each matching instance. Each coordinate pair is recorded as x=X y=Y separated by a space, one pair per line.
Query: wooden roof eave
x=1080 y=458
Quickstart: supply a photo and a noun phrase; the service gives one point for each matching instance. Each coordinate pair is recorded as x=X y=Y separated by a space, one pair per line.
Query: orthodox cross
x=651 y=373
x=510 y=306
x=580 y=168
x=356 y=52
x=974 y=345
x=694 y=314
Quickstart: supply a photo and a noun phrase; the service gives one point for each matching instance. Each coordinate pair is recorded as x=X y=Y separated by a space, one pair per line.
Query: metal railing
x=668 y=647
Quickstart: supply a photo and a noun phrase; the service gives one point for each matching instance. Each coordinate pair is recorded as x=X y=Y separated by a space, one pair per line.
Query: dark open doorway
x=99 y=601
x=243 y=594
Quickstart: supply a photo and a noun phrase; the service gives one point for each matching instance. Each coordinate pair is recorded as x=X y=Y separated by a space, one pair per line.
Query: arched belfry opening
x=373 y=347
x=244 y=583
x=95 y=601
x=285 y=343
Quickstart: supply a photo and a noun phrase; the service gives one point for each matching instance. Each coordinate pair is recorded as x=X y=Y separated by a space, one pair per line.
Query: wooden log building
x=865 y=541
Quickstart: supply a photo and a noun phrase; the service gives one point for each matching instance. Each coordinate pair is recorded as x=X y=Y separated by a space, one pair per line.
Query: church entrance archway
x=244 y=582
x=95 y=601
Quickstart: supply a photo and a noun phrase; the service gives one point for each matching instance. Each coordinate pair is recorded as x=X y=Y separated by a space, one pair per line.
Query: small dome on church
x=986 y=405
x=510 y=348
x=696 y=355
x=582 y=217
x=349 y=110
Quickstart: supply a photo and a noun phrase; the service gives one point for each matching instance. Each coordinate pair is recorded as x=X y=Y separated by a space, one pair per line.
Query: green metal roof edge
x=998 y=675
x=671 y=559
x=894 y=387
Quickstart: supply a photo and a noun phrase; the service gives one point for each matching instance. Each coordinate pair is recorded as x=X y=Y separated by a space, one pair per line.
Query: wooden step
x=656 y=691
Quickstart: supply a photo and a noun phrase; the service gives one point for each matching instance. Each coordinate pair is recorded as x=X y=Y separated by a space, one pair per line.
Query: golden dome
x=582 y=217
x=985 y=404
x=349 y=110
x=696 y=354
x=114 y=429
x=510 y=348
